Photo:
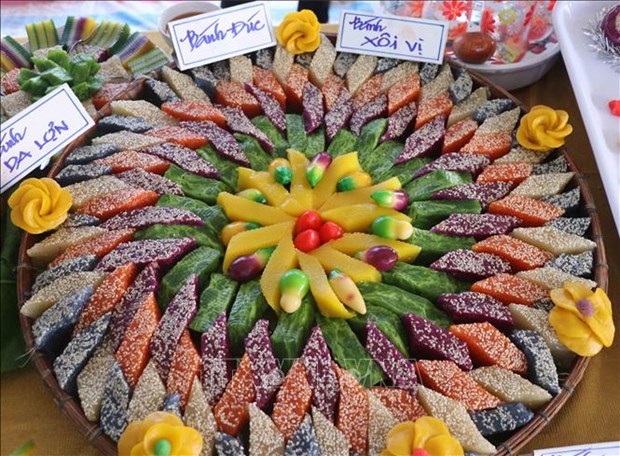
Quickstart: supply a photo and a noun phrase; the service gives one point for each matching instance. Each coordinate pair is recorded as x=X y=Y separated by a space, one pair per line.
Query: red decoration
x=307 y=240
x=309 y=220
x=330 y=231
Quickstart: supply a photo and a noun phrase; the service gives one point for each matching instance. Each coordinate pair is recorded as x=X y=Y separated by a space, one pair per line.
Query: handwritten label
x=594 y=449
x=420 y=40
x=40 y=131
x=221 y=34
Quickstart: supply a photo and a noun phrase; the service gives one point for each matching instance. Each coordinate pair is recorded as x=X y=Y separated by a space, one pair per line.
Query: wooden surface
x=591 y=415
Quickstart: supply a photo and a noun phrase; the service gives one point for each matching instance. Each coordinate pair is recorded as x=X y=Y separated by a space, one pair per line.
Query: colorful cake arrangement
x=300 y=251
x=97 y=60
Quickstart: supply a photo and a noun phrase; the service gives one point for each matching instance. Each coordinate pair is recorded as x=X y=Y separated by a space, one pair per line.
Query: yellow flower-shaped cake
x=582 y=319
x=160 y=434
x=543 y=128
x=39 y=205
x=299 y=32
x=426 y=436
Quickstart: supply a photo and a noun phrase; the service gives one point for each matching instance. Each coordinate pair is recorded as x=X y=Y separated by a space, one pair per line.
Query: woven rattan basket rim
x=72 y=409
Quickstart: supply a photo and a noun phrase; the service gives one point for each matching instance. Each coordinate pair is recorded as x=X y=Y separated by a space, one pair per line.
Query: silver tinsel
x=607 y=52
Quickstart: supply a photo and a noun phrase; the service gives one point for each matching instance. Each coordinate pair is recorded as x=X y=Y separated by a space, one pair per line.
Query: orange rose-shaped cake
x=543 y=128
x=426 y=436
x=299 y=32
x=582 y=319
x=160 y=434
x=39 y=205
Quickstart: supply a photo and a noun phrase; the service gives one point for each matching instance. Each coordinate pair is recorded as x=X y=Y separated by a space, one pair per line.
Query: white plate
x=513 y=76
x=595 y=83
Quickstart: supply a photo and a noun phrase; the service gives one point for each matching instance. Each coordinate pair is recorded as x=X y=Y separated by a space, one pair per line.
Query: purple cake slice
x=471 y=266
x=485 y=192
x=271 y=107
x=184 y=158
x=163 y=251
x=145 y=180
x=320 y=374
x=115 y=404
x=173 y=322
x=145 y=283
x=424 y=141
x=398 y=369
x=238 y=122
x=456 y=161
x=399 y=122
x=479 y=226
x=313 y=111
x=151 y=215
x=472 y=307
x=338 y=117
x=429 y=341
x=266 y=374
x=78 y=351
x=370 y=111
x=222 y=140
x=216 y=369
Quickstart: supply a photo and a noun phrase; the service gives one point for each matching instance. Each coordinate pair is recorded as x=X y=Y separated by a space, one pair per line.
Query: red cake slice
x=231 y=411
x=185 y=367
x=446 y=378
x=532 y=212
x=133 y=353
x=179 y=135
x=441 y=105
x=107 y=295
x=267 y=82
x=233 y=94
x=194 y=110
x=489 y=347
x=403 y=92
x=292 y=401
x=100 y=246
x=111 y=204
x=520 y=255
x=511 y=289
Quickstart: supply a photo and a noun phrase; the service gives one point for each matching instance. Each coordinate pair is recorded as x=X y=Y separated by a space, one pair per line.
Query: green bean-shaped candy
x=294 y=285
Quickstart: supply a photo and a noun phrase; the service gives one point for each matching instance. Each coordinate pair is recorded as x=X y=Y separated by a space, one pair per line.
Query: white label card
x=593 y=449
x=221 y=34
x=405 y=38
x=40 y=131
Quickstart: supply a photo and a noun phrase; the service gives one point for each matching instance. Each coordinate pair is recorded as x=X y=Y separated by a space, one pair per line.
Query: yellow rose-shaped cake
x=582 y=319
x=543 y=128
x=299 y=32
x=160 y=434
x=426 y=436
x=39 y=205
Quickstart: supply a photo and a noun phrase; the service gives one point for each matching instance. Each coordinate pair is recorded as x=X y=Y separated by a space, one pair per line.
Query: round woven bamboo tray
x=71 y=407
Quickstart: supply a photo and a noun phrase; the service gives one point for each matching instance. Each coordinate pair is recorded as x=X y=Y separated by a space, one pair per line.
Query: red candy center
x=311 y=231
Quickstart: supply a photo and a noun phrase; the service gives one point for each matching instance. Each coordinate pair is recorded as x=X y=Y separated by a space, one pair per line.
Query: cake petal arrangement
x=97 y=60
x=300 y=251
